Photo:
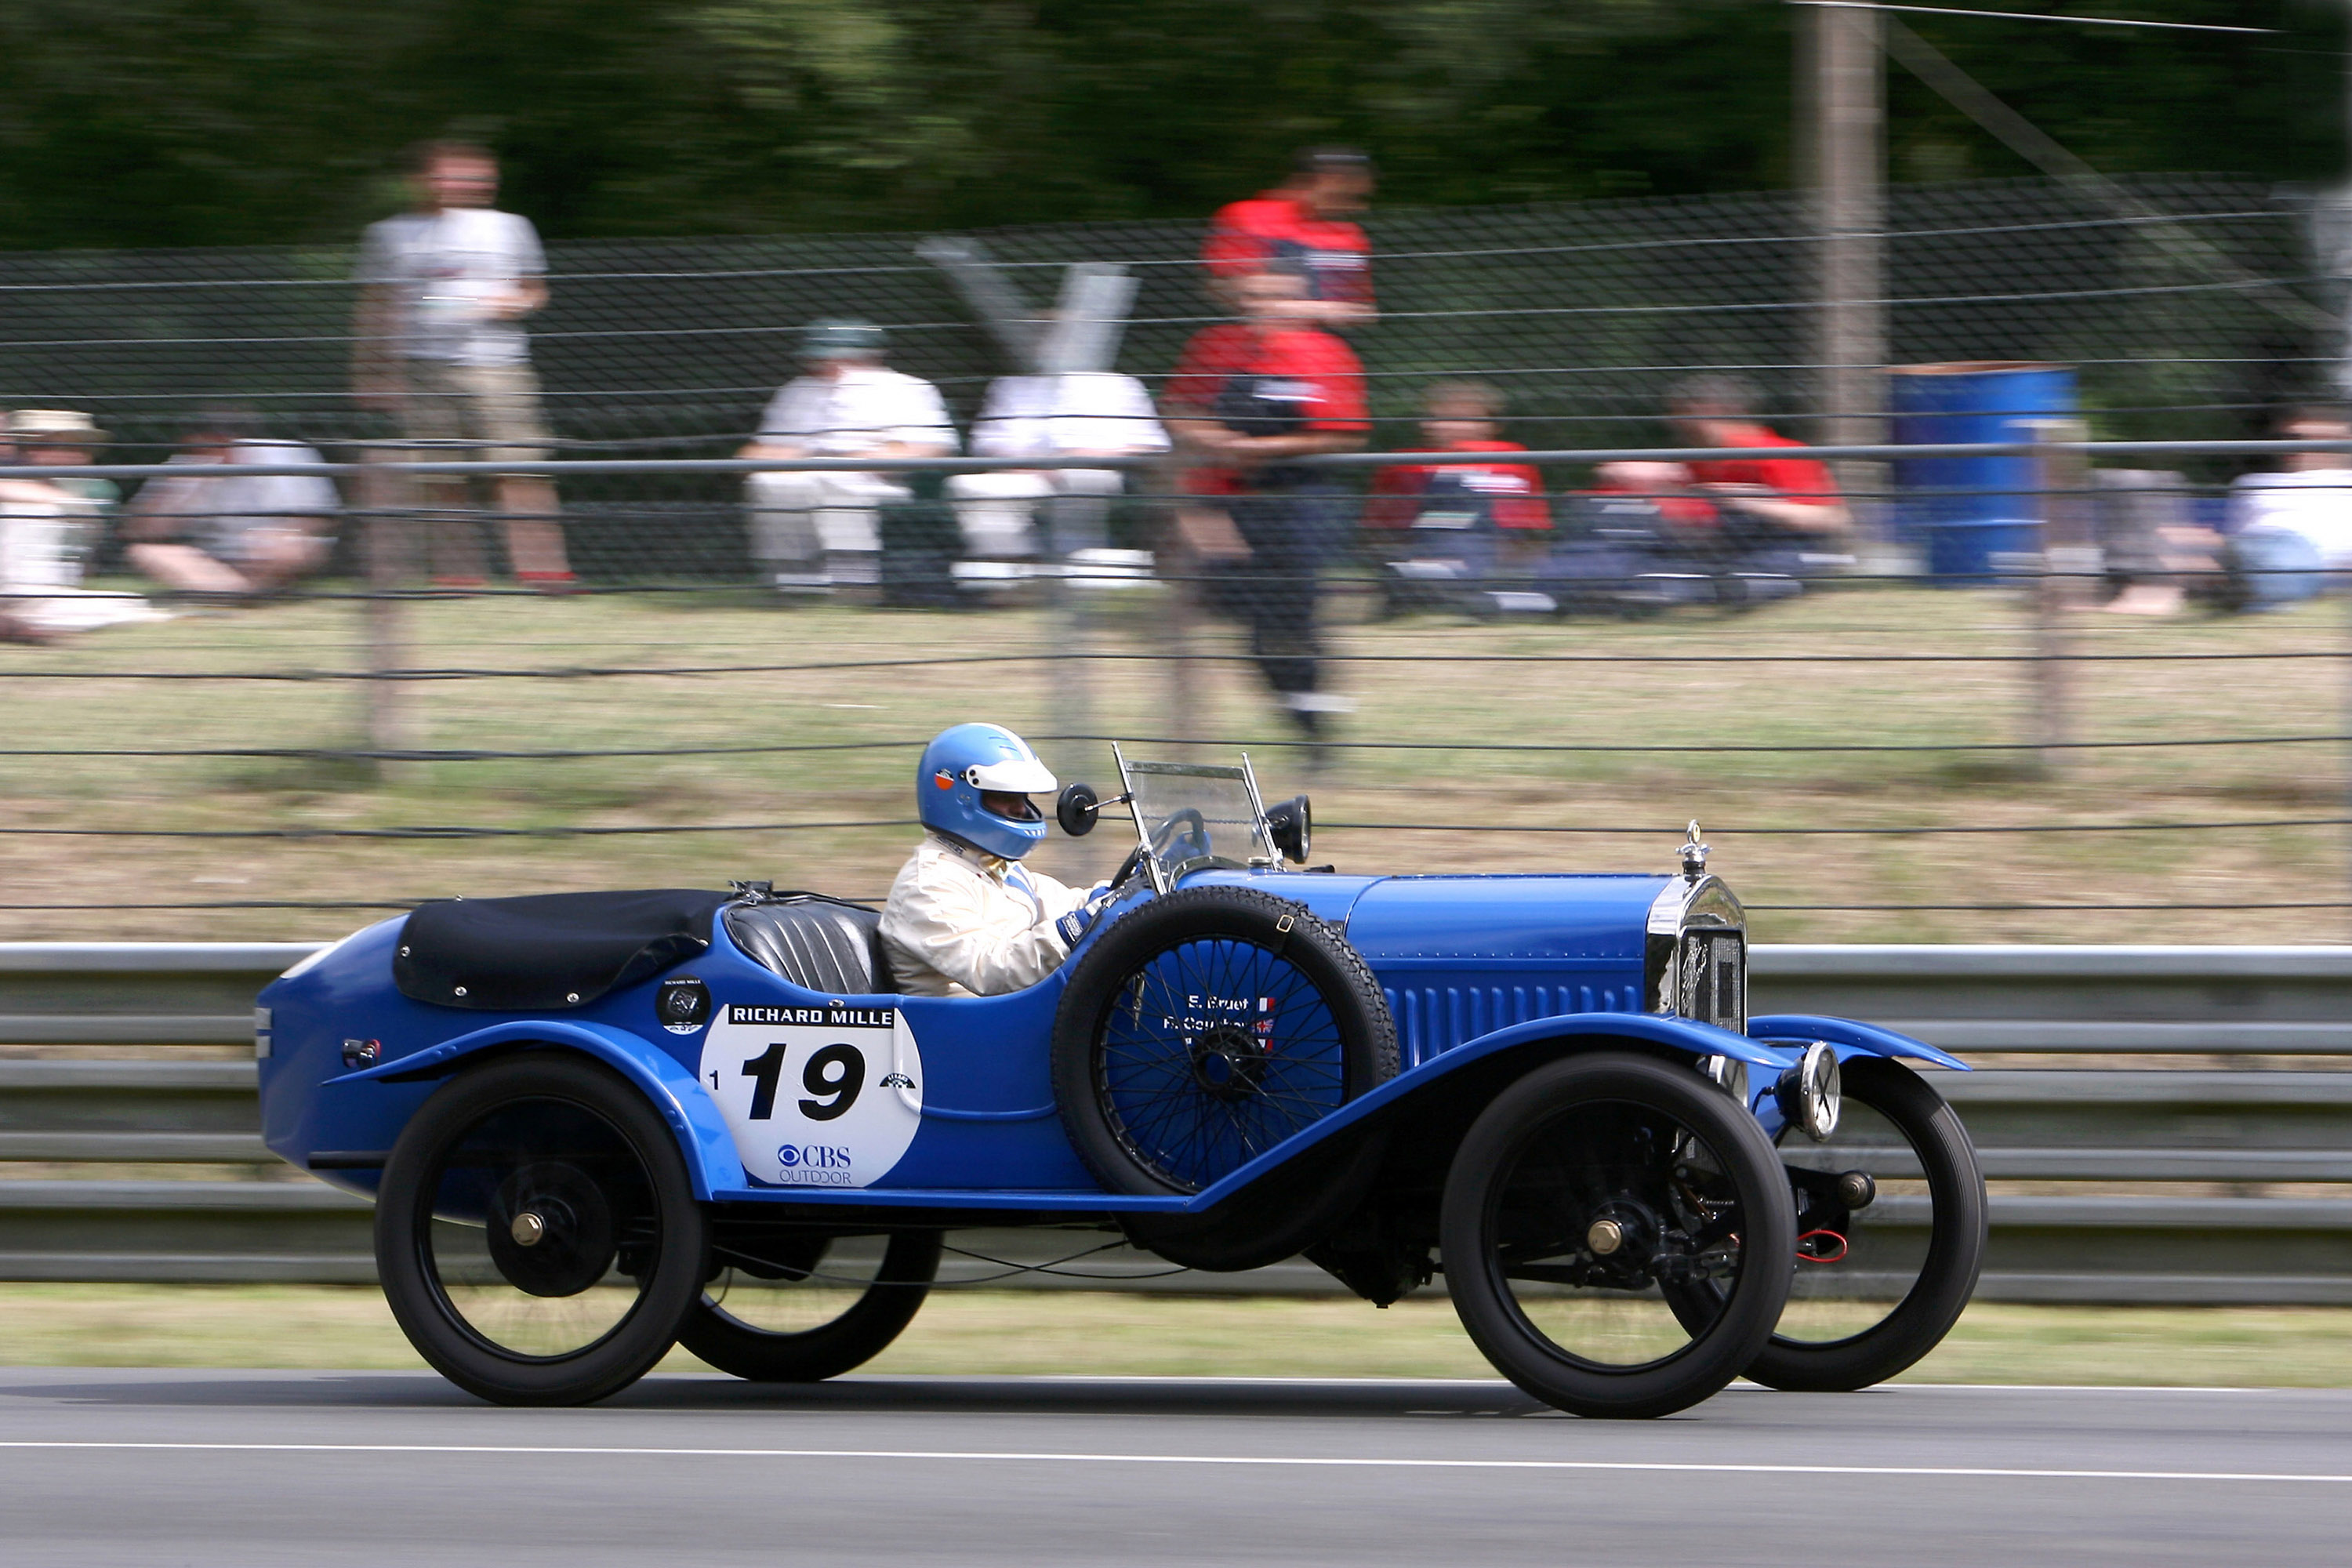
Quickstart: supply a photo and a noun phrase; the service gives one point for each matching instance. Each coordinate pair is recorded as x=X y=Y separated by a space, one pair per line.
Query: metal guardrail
x=2163 y=1170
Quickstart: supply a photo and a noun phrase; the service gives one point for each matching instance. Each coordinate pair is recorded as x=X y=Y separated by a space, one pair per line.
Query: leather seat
x=816 y=942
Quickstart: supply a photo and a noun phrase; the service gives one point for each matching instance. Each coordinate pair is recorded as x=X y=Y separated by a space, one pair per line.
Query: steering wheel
x=1129 y=870
x=1194 y=828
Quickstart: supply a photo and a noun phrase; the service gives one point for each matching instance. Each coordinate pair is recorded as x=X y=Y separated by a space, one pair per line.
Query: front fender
x=1850 y=1039
x=711 y=1162
x=1573 y=1031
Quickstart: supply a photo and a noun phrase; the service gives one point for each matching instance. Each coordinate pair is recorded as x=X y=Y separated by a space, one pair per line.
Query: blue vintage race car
x=596 y=1125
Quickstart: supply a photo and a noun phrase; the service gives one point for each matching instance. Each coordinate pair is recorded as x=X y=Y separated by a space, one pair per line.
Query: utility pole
x=1841 y=134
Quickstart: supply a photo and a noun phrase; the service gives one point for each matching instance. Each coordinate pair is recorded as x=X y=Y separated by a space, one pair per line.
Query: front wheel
x=1904 y=1261
x=790 y=1308
x=1581 y=1192
x=536 y=1232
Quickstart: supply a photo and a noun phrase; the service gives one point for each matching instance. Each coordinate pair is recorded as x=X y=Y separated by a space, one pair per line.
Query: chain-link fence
x=1875 y=757
x=1585 y=313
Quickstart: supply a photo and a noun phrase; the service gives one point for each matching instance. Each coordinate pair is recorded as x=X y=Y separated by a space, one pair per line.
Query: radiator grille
x=1714 y=988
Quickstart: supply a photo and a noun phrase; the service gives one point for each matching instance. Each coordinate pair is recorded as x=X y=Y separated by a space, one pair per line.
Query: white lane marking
x=1333 y=1462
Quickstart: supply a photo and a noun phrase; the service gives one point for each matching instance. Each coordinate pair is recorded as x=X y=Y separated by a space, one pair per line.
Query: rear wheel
x=1899 y=1267
x=536 y=1233
x=1580 y=1192
x=788 y=1309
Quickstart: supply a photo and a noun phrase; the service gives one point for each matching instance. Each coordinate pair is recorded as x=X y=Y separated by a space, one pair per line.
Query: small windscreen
x=1196 y=815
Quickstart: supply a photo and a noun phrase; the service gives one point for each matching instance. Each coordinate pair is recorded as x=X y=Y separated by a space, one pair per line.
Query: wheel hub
x=1228 y=1062
x=1621 y=1236
x=551 y=1230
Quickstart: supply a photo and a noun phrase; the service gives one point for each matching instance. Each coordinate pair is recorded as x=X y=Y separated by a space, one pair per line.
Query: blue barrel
x=1971 y=512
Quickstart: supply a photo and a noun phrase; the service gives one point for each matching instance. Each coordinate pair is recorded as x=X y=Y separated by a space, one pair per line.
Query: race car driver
x=965 y=918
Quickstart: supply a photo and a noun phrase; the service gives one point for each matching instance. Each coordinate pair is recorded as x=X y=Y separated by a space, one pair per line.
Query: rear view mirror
x=1077 y=809
x=1290 y=827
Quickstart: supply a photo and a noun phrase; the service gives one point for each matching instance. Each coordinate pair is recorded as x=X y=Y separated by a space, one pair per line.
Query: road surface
x=153 y=1468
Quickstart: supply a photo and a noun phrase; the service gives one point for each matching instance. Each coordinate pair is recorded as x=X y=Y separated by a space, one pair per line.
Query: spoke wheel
x=1203 y=1029
x=800 y=1308
x=1911 y=1255
x=1583 y=1194
x=536 y=1233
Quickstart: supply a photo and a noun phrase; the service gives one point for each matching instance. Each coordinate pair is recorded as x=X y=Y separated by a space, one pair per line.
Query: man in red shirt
x=1765 y=500
x=1247 y=401
x=1303 y=222
x=1460 y=416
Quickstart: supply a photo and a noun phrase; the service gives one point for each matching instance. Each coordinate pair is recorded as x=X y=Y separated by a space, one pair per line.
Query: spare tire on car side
x=1201 y=1030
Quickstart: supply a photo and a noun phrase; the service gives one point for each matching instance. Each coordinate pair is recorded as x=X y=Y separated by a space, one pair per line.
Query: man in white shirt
x=2310 y=496
x=438 y=341
x=212 y=529
x=813 y=530
x=1084 y=414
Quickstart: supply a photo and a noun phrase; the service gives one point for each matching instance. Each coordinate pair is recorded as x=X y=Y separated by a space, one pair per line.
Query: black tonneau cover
x=549 y=952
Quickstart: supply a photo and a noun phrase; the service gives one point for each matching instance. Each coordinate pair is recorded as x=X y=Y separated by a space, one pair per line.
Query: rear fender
x=1849 y=1038
x=711 y=1161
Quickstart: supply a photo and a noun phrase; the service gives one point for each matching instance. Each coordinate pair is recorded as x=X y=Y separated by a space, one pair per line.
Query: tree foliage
x=249 y=121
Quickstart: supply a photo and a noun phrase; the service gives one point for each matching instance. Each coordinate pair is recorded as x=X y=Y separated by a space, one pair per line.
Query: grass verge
x=1508 y=754
x=983 y=1333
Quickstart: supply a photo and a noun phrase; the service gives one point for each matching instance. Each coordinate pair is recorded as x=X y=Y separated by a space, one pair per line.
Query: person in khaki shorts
x=443 y=290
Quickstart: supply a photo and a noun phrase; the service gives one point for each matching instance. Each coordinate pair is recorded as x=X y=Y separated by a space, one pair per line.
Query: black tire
x=1889 y=1110
x=875 y=1305
x=1643 y=1143
x=1175 y=1098
x=594 y=1298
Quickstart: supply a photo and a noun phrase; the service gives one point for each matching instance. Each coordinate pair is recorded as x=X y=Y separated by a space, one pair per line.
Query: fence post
x=388 y=549
x=2060 y=584
x=1842 y=90
x=1181 y=567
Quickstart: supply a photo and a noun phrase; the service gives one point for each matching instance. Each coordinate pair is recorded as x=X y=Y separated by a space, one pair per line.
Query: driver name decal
x=815 y=1096
x=1255 y=1014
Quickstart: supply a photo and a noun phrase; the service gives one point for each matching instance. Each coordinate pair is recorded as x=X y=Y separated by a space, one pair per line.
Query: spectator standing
x=1302 y=224
x=212 y=528
x=813 y=530
x=1473 y=509
x=439 y=343
x=1076 y=413
x=1248 y=400
x=1767 y=502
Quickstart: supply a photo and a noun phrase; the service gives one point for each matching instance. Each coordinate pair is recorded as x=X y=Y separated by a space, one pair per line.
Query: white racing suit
x=963 y=923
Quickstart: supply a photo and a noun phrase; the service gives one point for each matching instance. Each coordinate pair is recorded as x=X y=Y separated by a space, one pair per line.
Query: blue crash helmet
x=962 y=761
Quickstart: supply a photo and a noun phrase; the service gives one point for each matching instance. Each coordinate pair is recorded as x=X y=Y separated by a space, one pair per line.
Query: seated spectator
x=813 y=530
x=1766 y=502
x=1072 y=415
x=2288 y=531
x=48 y=527
x=1302 y=224
x=64 y=438
x=1664 y=501
x=1462 y=501
x=2311 y=493
x=212 y=529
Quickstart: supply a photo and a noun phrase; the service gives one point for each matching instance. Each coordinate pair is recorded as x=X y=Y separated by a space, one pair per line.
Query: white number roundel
x=817 y=1097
